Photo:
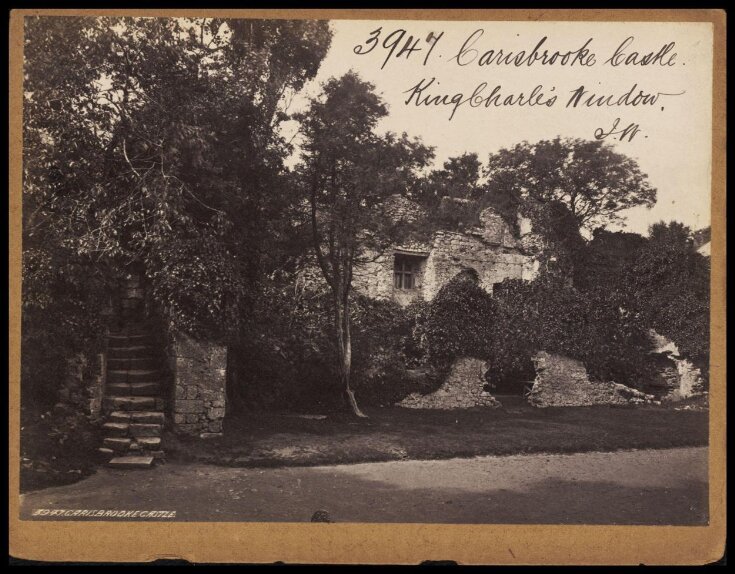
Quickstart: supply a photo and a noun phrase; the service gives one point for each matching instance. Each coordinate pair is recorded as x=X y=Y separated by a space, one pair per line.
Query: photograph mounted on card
x=367 y=286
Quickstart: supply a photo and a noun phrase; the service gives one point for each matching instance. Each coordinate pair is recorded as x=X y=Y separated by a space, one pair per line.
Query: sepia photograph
x=348 y=271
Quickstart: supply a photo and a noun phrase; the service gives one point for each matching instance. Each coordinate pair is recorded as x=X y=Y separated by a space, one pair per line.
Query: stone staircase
x=134 y=400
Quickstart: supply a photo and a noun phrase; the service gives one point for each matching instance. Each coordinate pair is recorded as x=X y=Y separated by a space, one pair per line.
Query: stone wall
x=495 y=231
x=563 y=382
x=492 y=249
x=83 y=383
x=680 y=379
x=375 y=278
x=462 y=389
x=199 y=386
x=453 y=252
x=449 y=254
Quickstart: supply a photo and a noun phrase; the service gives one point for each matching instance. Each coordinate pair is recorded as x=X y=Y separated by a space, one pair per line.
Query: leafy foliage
x=593 y=181
x=595 y=328
x=601 y=261
x=198 y=284
x=668 y=283
x=293 y=362
x=563 y=243
x=382 y=331
x=58 y=446
x=62 y=300
x=460 y=321
x=516 y=337
x=141 y=133
x=155 y=141
x=458 y=179
x=521 y=318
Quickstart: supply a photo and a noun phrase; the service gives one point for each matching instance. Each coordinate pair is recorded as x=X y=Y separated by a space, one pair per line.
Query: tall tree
x=346 y=174
x=156 y=140
x=459 y=178
x=590 y=178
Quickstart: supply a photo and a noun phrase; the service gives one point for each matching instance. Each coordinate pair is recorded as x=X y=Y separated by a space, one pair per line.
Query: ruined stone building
x=418 y=269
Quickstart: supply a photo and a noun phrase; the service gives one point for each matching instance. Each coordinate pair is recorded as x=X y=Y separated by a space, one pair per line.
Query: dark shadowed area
x=262 y=439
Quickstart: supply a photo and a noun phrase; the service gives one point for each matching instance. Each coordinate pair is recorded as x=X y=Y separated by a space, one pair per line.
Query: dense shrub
x=455 y=214
x=593 y=327
x=289 y=360
x=385 y=347
x=62 y=301
x=413 y=345
x=516 y=337
x=602 y=260
x=285 y=359
x=458 y=322
x=521 y=318
x=668 y=285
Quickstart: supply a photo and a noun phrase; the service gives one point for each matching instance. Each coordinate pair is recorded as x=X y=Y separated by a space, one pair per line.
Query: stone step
x=118 y=444
x=143 y=363
x=149 y=442
x=130 y=352
x=145 y=429
x=132 y=328
x=151 y=417
x=133 y=401
x=134 y=389
x=119 y=416
x=118 y=390
x=133 y=376
x=130 y=403
x=115 y=429
x=154 y=417
x=131 y=461
x=106 y=452
x=129 y=339
x=146 y=389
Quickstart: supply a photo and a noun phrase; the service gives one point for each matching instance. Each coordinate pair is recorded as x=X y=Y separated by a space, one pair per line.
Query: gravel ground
x=664 y=486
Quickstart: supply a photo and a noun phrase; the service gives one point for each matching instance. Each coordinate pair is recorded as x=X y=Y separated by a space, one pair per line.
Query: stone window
x=405 y=272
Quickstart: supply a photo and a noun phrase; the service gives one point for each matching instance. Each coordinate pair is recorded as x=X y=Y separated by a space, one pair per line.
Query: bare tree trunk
x=347 y=365
x=344 y=340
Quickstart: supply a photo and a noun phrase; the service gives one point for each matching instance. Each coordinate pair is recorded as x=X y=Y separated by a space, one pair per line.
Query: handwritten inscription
x=467 y=54
x=397 y=44
x=629 y=132
x=478 y=50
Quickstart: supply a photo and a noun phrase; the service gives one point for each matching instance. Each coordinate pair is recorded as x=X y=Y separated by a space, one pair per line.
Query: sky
x=672 y=144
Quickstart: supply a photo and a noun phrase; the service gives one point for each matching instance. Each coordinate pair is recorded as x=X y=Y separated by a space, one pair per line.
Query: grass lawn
x=270 y=439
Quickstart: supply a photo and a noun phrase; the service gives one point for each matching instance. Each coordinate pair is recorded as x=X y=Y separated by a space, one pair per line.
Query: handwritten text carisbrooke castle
x=427 y=91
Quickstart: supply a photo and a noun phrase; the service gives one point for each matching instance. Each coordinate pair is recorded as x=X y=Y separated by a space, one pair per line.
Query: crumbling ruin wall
x=375 y=278
x=199 y=371
x=681 y=379
x=463 y=388
x=491 y=249
x=563 y=382
x=453 y=252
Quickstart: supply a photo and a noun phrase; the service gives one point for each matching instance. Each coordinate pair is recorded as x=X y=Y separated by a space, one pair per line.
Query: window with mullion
x=404 y=276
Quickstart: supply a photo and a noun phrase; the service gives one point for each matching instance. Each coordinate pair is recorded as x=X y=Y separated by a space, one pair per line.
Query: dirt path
x=629 y=487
